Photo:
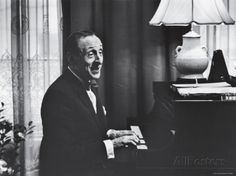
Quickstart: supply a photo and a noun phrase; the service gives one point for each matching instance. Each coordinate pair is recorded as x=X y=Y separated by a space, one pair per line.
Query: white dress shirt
x=93 y=99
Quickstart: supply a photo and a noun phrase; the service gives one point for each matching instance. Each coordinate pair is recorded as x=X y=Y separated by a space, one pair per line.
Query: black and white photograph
x=117 y=88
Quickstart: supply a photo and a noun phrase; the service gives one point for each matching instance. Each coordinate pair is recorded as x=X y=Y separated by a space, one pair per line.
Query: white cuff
x=109 y=148
x=109 y=132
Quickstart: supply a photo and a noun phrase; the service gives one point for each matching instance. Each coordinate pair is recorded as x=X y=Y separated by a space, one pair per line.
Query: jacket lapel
x=81 y=93
x=100 y=112
x=80 y=90
x=86 y=100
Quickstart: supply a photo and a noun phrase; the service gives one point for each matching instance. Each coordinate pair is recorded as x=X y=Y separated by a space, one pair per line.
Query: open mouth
x=95 y=67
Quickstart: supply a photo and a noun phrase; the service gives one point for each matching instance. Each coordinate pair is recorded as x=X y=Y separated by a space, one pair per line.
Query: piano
x=184 y=137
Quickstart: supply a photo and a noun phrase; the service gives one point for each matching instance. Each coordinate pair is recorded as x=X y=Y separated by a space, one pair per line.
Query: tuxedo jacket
x=73 y=133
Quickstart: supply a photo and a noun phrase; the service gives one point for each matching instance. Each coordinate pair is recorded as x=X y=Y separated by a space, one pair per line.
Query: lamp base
x=191 y=76
x=191 y=58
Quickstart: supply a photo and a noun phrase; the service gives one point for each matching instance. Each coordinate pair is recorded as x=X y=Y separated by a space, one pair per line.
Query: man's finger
x=133 y=143
x=125 y=132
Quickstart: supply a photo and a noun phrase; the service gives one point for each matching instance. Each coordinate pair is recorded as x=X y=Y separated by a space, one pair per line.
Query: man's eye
x=100 y=53
x=90 y=54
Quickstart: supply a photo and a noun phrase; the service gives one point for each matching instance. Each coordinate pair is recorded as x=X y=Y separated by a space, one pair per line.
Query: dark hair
x=72 y=42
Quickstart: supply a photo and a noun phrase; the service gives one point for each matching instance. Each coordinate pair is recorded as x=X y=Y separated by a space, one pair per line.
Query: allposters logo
x=198 y=162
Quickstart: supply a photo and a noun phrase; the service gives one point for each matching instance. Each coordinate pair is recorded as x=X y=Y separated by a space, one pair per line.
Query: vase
x=191 y=58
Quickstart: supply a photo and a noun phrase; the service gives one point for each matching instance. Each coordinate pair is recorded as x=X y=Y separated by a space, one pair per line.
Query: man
x=76 y=140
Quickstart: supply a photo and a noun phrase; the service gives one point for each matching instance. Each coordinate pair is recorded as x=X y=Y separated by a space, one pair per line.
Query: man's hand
x=119 y=133
x=125 y=140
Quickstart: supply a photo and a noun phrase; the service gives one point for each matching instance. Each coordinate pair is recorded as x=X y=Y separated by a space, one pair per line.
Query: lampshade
x=185 y=12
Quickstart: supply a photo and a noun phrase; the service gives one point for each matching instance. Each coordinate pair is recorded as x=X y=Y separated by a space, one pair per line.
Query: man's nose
x=99 y=58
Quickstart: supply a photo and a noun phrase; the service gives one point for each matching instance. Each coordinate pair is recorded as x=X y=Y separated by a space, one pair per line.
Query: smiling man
x=90 y=50
x=76 y=139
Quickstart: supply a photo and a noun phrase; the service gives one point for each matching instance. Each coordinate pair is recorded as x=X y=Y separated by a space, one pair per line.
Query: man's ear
x=69 y=57
x=74 y=60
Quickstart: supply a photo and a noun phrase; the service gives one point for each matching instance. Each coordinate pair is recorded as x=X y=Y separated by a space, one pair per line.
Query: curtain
x=135 y=53
x=222 y=37
x=5 y=58
x=30 y=60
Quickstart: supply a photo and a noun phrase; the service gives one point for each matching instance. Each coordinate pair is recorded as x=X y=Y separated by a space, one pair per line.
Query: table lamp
x=191 y=58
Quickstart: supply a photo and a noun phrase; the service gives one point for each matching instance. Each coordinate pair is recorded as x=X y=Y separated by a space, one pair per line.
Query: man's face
x=92 y=56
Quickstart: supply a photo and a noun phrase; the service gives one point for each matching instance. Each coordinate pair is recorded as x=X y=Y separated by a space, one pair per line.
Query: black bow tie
x=92 y=84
